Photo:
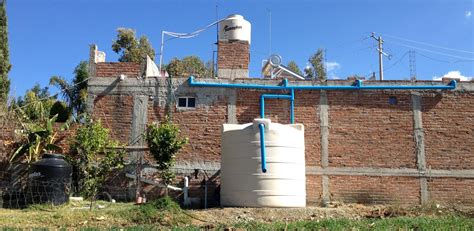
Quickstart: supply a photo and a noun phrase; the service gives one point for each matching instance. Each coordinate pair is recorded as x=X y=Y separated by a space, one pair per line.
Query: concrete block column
x=324 y=126
x=419 y=136
x=139 y=120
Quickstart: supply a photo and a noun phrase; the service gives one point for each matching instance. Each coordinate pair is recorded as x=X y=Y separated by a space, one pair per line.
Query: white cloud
x=331 y=68
x=453 y=75
x=468 y=14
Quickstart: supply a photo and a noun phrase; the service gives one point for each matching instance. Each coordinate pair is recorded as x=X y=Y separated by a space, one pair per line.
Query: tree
x=94 y=157
x=164 y=142
x=317 y=69
x=294 y=67
x=189 y=65
x=175 y=67
x=74 y=93
x=130 y=48
x=36 y=104
x=5 y=65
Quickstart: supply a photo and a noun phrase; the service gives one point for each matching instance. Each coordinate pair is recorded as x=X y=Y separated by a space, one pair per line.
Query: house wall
x=359 y=148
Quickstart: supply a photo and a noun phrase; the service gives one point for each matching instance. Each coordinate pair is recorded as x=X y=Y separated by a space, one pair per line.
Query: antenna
x=269 y=31
x=214 y=63
x=412 y=64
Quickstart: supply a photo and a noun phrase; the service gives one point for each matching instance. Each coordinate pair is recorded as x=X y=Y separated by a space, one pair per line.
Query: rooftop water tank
x=234 y=27
x=243 y=183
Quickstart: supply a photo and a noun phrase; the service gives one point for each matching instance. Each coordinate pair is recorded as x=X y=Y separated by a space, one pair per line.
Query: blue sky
x=50 y=37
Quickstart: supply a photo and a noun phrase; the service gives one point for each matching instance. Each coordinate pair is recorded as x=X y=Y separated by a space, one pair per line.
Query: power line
x=435 y=59
x=183 y=36
x=55 y=95
x=396 y=62
x=427 y=44
x=434 y=52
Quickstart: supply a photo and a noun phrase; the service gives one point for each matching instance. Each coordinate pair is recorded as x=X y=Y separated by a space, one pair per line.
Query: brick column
x=233 y=58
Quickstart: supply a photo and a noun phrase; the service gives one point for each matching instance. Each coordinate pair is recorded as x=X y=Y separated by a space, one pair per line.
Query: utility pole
x=381 y=53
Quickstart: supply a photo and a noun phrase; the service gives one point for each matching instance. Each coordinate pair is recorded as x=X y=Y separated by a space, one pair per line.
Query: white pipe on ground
x=187 y=201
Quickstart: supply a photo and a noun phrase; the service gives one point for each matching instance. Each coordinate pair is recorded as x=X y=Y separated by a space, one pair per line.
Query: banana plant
x=37 y=138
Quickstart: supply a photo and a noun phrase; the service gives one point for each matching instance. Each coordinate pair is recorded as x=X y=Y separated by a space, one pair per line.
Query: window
x=186 y=102
x=392 y=100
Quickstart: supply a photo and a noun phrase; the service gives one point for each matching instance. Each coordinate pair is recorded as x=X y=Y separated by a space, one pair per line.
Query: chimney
x=233 y=48
x=95 y=56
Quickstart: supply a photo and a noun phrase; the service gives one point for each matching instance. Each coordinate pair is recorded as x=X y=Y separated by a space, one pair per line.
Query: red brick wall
x=115 y=69
x=365 y=131
x=448 y=120
x=452 y=190
x=233 y=55
x=306 y=112
x=7 y=137
x=248 y=107
x=314 y=190
x=202 y=125
x=374 y=190
x=65 y=137
x=115 y=113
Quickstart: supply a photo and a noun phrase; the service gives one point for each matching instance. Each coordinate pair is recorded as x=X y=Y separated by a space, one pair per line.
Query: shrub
x=164 y=142
x=94 y=157
x=163 y=211
x=60 y=108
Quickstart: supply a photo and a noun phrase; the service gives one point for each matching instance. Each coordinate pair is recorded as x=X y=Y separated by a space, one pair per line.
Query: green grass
x=161 y=213
x=166 y=214
x=398 y=223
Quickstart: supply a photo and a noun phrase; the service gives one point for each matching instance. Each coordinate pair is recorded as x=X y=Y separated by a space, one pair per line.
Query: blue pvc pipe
x=357 y=86
x=290 y=97
x=285 y=86
x=262 y=147
x=292 y=107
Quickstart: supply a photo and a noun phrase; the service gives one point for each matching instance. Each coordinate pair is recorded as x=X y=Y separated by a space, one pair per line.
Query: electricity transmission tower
x=412 y=63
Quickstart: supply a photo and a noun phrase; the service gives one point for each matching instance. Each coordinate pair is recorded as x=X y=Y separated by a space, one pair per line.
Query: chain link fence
x=20 y=188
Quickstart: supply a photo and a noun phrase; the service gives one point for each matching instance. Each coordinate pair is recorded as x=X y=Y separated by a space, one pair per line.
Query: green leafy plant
x=74 y=92
x=164 y=142
x=35 y=105
x=94 y=157
x=164 y=211
x=37 y=138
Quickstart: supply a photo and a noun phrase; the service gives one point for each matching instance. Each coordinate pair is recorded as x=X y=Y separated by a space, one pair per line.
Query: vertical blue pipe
x=262 y=106
x=262 y=147
x=292 y=106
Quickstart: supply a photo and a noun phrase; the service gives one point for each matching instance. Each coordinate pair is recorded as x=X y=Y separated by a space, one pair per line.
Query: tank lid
x=52 y=155
x=235 y=16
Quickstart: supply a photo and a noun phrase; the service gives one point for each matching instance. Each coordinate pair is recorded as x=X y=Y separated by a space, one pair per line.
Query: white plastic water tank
x=234 y=27
x=243 y=183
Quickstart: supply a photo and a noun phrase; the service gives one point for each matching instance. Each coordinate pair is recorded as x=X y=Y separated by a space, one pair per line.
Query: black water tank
x=49 y=180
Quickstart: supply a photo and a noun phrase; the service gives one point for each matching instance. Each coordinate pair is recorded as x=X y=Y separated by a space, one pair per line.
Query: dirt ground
x=332 y=211
x=106 y=214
